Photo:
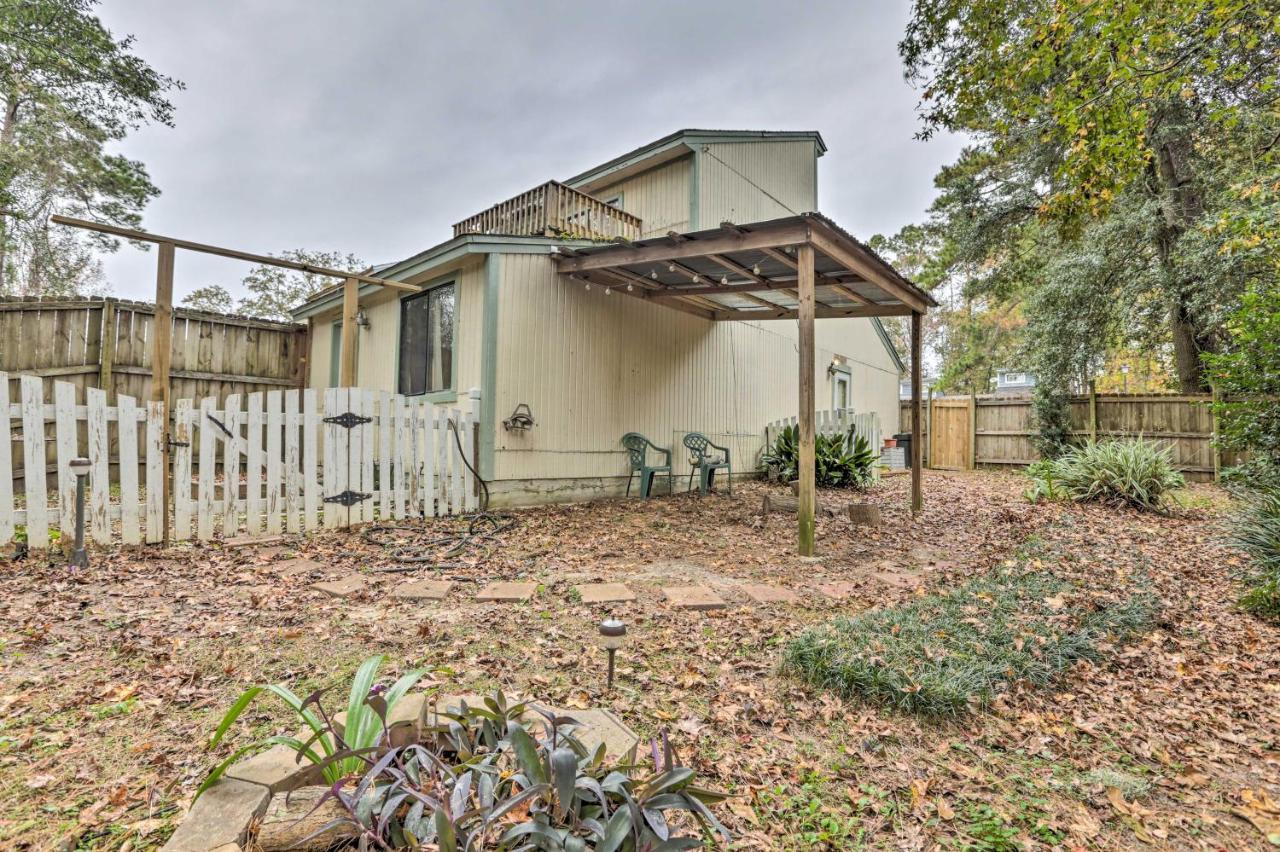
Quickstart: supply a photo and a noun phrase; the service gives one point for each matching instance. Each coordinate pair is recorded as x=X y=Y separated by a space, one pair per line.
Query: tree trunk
x=1182 y=202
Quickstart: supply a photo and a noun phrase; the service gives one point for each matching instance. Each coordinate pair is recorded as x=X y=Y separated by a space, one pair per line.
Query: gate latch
x=348 y=498
x=348 y=419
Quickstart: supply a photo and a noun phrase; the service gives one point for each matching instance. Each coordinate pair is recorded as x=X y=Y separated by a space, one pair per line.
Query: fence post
x=1093 y=410
x=105 y=380
x=928 y=433
x=973 y=431
x=1215 y=448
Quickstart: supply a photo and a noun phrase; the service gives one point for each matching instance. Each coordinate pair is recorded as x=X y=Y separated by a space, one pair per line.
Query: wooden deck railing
x=553 y=209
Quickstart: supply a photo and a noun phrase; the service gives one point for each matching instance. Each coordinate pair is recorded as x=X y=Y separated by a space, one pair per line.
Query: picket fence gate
x=866 y=424
x=290 y=461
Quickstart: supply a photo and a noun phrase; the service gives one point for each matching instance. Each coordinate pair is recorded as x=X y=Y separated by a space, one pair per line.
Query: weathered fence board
x=395 y=453
x=1001 y=428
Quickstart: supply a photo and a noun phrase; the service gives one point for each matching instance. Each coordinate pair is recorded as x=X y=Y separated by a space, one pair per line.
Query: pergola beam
x=820 y=312
x=725 y=243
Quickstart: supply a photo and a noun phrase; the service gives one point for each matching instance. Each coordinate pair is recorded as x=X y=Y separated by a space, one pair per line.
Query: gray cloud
x=373 y=127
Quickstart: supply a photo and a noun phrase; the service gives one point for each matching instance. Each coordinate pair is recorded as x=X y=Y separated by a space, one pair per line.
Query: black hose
x=482 y=525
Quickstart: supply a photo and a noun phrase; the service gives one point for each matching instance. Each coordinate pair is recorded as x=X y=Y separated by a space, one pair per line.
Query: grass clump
x=947 y=653
x=1117 y=473
x=1256 y=531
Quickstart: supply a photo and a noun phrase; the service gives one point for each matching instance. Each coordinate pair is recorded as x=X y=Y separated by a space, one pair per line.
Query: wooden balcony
x=553 y=210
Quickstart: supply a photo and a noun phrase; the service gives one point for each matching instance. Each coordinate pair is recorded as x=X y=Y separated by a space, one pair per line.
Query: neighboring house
x=592 y=364
x=1014 y=382
x=904 y=386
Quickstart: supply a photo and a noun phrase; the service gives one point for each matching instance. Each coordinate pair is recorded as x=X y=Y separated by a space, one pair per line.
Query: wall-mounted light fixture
x=362 y=319
x=833 y=367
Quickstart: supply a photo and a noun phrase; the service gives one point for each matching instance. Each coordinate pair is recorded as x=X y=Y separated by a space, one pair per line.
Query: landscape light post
x=80 y=467
x=612 y=635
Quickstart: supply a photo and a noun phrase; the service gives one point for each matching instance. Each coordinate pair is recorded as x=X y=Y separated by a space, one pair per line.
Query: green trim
x=695 y=190
x=449 y=394
x=335 y=347
x=489 y=365
x=888 y=344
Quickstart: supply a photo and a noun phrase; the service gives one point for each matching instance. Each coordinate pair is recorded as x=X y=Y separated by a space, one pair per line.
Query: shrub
x=485 y=777
x=338 y=754
x=1118 y=473
x=948 y=652
x=841 y=459
x=1256 y=531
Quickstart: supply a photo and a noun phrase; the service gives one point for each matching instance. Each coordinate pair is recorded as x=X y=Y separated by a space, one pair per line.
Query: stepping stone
x=761 y=593
x=342 y=588
x=597 y=593
x=508 y=592
x=252 y=541
x=294 y=567
x=693 y=597
x=422 y=590
x=837 y=591
x=897 y=580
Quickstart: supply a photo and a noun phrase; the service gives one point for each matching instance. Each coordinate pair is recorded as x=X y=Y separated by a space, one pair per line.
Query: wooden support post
x=350 y=307
x=808 y=489
x=917 y=437
x=1093 y=410
x=161 y=352
x=105 y=380
x=1214 y=448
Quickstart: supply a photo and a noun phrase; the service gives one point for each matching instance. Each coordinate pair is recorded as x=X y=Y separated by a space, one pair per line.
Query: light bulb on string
x=608 y=292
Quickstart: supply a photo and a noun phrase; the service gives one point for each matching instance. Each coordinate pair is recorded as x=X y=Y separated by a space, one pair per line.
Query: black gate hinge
x=348 y=498
x=348 y=419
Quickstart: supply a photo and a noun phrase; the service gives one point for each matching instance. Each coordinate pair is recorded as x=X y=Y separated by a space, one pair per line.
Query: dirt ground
x=112 y=680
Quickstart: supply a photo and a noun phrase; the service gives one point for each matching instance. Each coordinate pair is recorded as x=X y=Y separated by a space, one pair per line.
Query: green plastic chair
x=638 y=447
x=703 y=463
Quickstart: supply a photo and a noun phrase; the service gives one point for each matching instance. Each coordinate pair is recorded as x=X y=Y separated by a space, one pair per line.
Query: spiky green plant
x=1256 y=531
x=841 y=459
x=337 y=753
x=1135 y=473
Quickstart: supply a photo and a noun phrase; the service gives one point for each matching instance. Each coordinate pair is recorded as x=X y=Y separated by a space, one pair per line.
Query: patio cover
x=802 y=267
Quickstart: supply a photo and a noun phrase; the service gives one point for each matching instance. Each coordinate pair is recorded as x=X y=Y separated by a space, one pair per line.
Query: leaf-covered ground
x=112 y=681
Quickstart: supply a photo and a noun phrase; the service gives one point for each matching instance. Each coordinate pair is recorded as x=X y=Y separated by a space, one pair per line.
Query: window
x=614 y=201
x=1015 y=378
x=335 y=352
x=840 y=396
x=426 y=341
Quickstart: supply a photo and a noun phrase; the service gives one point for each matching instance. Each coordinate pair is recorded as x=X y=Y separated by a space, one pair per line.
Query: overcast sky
x=371 y=127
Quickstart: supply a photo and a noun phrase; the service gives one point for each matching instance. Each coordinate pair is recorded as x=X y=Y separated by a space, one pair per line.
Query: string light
x=608 y=292
x=724 y=279
x=671 y=267
x=588 y=285
x=756 y=269
x=630 y=288
x=653 y=273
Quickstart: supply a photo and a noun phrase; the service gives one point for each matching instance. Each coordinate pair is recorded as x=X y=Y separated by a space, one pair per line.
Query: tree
x=1155 y=113
x=273 y=290
x=68 y=88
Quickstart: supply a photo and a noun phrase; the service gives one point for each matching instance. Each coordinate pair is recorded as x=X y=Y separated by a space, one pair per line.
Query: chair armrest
x=724 y=450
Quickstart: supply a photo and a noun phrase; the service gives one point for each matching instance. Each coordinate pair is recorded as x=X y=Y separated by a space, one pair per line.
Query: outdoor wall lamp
x=613 y=634
x=80 y=467
x=362 y=319
x=833 y=367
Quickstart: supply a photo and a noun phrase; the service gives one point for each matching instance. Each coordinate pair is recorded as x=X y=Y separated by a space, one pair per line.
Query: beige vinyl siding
x=377 y=349
x=592 y=367
x=660 y=197
x=756 y=181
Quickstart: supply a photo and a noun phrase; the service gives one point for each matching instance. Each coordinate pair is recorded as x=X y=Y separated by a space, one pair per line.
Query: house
x=546 y=304
x=904 y=387
x=1014 y=382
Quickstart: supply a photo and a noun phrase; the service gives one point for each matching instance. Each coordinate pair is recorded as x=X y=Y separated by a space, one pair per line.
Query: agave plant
x=336 y=749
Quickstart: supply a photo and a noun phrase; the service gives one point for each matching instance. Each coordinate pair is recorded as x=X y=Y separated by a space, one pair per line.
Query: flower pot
x=890 y=443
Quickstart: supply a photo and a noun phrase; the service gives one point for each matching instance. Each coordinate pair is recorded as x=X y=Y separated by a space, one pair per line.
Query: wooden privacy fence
x=287 y=461
x=106 y=344
x=962 y=433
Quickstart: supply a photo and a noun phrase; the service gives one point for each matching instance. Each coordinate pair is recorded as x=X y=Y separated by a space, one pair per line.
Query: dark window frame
x=407 y=304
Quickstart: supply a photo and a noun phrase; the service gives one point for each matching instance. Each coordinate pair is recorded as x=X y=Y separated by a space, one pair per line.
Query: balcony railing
x=553 y=210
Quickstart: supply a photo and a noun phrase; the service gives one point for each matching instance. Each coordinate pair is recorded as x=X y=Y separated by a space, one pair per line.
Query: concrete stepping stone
x=422 y=590
x=295 y=567
x=341 y=588
x=693 y=597
x=766 y=594
x=837 y=591
x=598 y=593
x=508 y=592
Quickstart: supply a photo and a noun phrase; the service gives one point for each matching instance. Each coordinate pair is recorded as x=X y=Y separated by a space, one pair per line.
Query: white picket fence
x=256 y=471
x=866 y=424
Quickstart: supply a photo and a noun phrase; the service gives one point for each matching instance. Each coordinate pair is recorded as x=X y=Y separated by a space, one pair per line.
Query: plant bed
x=408 y=771
x=951 y=652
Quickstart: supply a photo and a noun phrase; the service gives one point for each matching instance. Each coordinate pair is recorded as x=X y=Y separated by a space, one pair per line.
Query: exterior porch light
x=362 y=319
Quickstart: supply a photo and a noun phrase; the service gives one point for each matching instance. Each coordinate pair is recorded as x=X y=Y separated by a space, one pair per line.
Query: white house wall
x=593 y=367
